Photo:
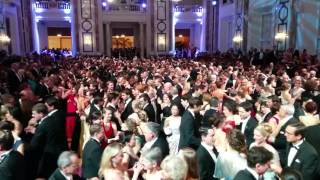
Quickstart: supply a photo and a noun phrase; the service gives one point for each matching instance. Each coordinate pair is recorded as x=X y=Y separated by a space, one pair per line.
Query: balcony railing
x=125 y=8
x=182 y=8
x=52 y=4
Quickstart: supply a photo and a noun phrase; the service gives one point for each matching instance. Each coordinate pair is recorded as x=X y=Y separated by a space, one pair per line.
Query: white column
x=141 y=40
x=73 y=29
x=108 y=39
x=36 y=44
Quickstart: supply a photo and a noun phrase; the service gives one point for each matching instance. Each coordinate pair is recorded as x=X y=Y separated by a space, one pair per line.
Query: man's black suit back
x=12 y=167
x=58 y=176
x=92 y=153
x=150 y=112
x=189 y=131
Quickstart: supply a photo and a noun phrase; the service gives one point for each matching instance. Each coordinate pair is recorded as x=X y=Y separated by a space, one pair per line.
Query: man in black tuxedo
x=207 y=154
x=95 y=106
x=126 y=97
x=147 y=107
x=258 y=161
x=12 y=164
x=155 y=138
x=92 y=153
x=214 y=102
x=113 y=99
x=68 y=163
x=176 y=99
x=189 y=128
x=249 y=123
x=278 y=139
x=49 y=137
x=300 y=154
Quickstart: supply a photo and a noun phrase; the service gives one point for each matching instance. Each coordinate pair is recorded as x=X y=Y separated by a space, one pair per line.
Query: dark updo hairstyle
x=237 y=141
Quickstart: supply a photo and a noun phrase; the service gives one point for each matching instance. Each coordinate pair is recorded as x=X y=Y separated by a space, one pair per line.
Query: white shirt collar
x=145 y=105
x=297 y=144
x=253 y=172
x=112 y=105
x=210 y=151
x=67 y=177
x=53 y=111
x=192 y=113
x=174 y=96
x=286 y=119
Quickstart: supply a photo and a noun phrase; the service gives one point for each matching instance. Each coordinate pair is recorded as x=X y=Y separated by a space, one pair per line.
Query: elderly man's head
x=151 y=131
x=68 y=162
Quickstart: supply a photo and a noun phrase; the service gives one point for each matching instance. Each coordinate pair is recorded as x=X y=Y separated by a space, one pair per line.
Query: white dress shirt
x=244 y=124
x=293 y=151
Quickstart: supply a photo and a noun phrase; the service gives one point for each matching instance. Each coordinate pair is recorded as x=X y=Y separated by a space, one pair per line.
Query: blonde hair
x=109 y=152
x=169 y=166
x=264 y=129
x=142 y=116
x=190 y=156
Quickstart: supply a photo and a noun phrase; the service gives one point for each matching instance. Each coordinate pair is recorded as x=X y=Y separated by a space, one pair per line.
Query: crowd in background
x=228 y=116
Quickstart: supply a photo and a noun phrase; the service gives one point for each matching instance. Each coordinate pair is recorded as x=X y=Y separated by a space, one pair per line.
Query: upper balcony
x=52 y=4
x=125 y=10
x=124 y=6
x=55 y=10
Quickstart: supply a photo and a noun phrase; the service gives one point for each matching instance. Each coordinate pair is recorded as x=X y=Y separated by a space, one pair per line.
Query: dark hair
x=112 y=96
x=6 y=139
x=6 y=125
x=275 y=107
x=237 y=141
x=94 y=116
x=127 y=92
x=258 y=155
x=300 y=128
x=15 y=113
x=40 y=108
x=52 y=101
x=97 y=99
x=217 y=119
x=247 y=106
x=145 y=97
x=311 y=107
x=231 y=106
x=291 y=174
x=195 y=101
x=204 y=131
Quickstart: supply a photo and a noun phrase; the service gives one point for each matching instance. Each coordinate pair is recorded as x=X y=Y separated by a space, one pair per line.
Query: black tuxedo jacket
x=162 y=144
x=249 y=129
x=91 y=157
x=312 y=136
x=306 y=161
x=93 y=108
x=48 y=142
x=280 y=143
x=206 y=164
x=58 y=176
x=150 y=112
x=189 y=131
x=127 y=111
x=244 y=175
x=205 y=120
x=177 y=101
x=12 y=167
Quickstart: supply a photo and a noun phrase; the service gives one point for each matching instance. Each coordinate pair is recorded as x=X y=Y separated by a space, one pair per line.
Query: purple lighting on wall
x=144 y=5
x=104 y=4
x=214 y=3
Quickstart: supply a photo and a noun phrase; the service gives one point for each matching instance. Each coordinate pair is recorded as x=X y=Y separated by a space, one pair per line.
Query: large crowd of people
x=227 y=116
